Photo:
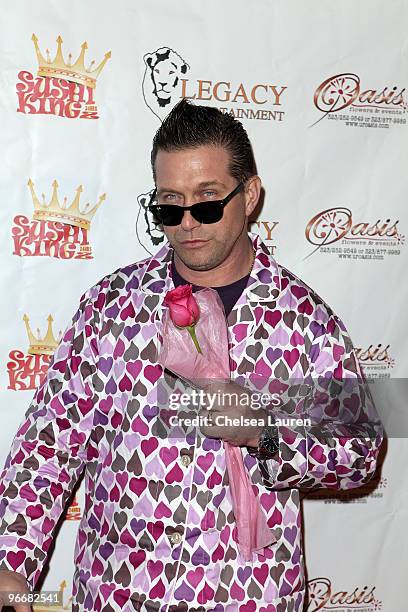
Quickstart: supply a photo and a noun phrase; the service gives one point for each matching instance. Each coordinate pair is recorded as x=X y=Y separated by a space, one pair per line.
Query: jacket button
x=185 y=460
x=175 y=538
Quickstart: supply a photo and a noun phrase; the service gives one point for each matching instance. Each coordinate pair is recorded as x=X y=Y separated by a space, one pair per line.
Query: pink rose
x=184 y=311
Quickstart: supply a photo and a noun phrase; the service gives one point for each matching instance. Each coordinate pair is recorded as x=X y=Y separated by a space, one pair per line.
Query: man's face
x=198 y=175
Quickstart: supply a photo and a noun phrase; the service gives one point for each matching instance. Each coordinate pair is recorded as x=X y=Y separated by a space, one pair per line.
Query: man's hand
x=13 y=582
x=225 y=402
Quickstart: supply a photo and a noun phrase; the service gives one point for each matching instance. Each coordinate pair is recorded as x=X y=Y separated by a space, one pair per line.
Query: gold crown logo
x=52 y=607
x=39 y=345
x=59 y=69
x=71 y=215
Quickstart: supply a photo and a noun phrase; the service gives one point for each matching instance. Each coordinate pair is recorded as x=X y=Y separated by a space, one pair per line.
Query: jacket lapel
x=247 y=334
x=246 y=318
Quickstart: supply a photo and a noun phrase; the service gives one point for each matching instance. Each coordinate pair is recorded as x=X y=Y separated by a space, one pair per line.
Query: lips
x=194 y=243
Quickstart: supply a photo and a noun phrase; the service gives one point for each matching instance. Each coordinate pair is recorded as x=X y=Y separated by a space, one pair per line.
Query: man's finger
x=20 y=607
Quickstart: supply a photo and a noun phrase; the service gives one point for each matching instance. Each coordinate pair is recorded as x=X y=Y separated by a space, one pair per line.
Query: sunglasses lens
x=203 y=212
x=210 y=212
x=167 y=215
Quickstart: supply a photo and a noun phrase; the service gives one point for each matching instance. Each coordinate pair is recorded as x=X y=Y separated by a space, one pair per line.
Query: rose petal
x=180 y=315
x=177 y=294
x=193 y=308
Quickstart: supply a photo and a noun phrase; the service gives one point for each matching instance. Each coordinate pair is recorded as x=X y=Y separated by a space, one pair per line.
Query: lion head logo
x=164 y=69
x=146 y=229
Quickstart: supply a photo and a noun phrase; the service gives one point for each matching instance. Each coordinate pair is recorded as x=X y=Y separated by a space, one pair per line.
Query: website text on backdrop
x=158 y=531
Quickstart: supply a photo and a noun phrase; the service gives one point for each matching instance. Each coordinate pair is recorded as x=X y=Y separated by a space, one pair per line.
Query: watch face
x=268 y=444
x=270 y=440
x=272 y=446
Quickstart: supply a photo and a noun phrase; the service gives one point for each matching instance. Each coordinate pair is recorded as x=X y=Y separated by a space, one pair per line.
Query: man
x=158 y=531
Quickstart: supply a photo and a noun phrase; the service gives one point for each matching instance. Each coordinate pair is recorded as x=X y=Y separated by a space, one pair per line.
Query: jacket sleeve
x=49 y=450
x=337 y=444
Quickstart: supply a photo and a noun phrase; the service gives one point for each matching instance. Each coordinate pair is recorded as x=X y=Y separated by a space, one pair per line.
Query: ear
x=252 y=191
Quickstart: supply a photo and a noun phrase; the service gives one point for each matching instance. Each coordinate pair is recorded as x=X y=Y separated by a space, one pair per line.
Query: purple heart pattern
x=158 y=530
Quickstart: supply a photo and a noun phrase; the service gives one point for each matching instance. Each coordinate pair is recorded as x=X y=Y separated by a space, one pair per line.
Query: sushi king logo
x=53 y=601
x=335 y=231
x=57 y=229
x=322 y=595
x=27 y=369
x=343 y=97
x=62 y=88
x=376 y=360
x=167 y=79
x=74 y=511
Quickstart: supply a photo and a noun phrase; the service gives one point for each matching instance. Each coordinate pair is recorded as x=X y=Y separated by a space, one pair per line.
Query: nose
x=188 y=222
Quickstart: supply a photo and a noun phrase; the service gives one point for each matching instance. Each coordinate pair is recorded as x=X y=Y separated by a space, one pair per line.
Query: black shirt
x=229 y=294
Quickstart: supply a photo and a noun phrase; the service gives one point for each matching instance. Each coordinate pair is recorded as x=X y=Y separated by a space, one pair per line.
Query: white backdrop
x=320 y=87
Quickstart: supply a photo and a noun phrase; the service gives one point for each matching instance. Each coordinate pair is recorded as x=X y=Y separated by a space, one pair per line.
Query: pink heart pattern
x=159 y=527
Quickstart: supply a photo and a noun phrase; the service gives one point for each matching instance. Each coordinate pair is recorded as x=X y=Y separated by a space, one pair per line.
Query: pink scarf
x=178 y=354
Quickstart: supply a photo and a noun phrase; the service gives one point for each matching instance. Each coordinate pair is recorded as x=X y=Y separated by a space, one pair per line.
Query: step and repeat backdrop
x=321 y=89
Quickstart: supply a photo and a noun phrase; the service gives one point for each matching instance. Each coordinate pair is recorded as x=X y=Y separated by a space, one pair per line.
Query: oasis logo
x=322 y=596
x=345 y=91
x=376 y=361
x=335 y=224
x=370 y=490
x=62 y=88
x=166 y=81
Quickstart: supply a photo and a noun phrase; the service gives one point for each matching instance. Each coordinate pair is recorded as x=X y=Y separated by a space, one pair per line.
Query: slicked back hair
x=189 y=126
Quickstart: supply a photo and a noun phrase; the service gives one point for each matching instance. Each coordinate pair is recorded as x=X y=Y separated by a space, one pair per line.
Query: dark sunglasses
x=203 y=212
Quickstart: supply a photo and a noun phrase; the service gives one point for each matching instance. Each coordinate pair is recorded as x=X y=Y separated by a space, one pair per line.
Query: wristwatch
x=268 y=443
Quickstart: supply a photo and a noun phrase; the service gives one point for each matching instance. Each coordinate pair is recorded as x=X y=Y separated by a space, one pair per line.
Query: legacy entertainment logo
x=164 y=69
x=266 y=231
x=148 y=232
x=166 y=81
